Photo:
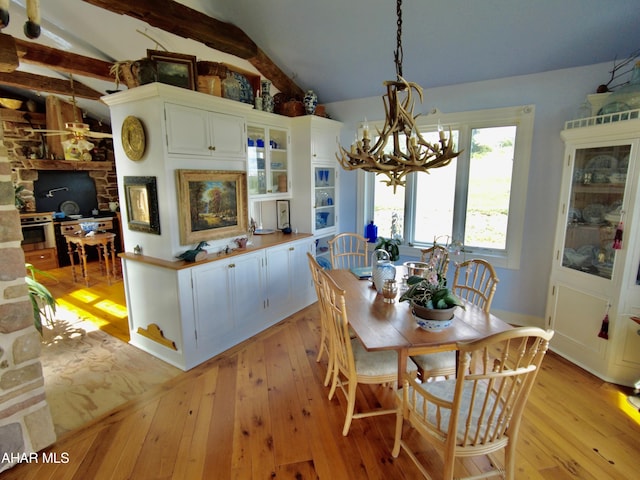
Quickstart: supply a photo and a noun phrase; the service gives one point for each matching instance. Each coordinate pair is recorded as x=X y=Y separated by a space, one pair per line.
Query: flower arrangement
x=430 y=289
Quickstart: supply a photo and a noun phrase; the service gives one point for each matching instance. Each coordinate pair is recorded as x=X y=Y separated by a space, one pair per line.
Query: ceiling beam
x=40 y=83
x=186 y=22
x=61 y=61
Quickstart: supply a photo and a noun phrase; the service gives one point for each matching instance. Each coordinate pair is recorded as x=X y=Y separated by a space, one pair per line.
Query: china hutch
x=594 y=292
x=207 y=306
x=317 y=176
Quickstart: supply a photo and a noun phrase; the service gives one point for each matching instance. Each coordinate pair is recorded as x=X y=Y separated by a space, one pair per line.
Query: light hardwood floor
x=260 y=411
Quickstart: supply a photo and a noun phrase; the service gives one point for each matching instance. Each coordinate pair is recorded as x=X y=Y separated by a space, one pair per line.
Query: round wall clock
x=133 y=139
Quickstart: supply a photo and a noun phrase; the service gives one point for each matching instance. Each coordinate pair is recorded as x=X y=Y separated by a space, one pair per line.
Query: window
x=478 y=199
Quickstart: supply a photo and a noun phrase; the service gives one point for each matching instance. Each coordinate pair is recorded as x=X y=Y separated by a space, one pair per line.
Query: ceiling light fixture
x=409 y=154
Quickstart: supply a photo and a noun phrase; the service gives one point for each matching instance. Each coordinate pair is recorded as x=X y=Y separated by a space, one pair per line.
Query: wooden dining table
x=391 y=326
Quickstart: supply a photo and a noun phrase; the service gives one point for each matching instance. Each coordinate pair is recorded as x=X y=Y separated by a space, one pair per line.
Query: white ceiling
x=343 y=49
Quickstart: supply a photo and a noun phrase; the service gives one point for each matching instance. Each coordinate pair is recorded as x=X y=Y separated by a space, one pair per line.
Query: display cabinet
x=317 y=176
x=268 y=162
x=594 y=291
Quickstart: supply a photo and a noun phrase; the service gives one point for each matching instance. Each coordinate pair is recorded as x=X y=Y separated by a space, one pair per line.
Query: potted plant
x=431 y=300
x=43 y=303
x=391 y=245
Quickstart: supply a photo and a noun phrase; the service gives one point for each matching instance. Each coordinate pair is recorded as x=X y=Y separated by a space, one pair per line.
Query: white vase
x=310 y=102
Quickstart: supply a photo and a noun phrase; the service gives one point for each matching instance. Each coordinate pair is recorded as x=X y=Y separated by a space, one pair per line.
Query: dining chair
x=441 y=256
x=479 y=411
x=325 y=339
x=348 y=250
x=353 y=364
x=474 y=281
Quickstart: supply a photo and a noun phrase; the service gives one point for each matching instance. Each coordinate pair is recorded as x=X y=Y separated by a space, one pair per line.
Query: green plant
x=391 y=245
x=430 y=290
x=20 y=202
x=42 y=301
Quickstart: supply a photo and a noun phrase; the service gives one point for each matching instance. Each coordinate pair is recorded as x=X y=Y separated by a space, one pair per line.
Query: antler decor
x=414 y=153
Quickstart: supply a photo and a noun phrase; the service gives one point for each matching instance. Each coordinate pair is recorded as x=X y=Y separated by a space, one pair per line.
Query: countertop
x=259 y=242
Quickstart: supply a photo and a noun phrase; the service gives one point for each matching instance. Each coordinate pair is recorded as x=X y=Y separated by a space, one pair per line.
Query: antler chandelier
x=411 y=154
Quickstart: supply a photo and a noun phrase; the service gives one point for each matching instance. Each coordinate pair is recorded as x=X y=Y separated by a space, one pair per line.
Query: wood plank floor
x=260 y=411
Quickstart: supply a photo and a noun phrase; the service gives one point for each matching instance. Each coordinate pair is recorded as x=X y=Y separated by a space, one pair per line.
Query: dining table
x=392 y=326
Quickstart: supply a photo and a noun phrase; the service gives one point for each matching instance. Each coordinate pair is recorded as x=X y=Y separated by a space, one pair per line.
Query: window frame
x=520 y=116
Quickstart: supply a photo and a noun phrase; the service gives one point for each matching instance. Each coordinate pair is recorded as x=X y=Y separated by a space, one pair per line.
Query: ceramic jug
x=381 y=268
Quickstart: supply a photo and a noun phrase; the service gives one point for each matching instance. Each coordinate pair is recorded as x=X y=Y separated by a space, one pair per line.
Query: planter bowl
x=433 y=320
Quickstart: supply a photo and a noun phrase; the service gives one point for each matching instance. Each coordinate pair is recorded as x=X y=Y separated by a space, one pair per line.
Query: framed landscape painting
x=211 y=204
x=175 y=68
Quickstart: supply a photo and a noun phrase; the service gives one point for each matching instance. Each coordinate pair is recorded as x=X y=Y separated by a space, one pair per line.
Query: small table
x=104 y=242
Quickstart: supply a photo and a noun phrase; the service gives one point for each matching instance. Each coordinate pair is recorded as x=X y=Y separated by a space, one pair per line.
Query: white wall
x=556 y=96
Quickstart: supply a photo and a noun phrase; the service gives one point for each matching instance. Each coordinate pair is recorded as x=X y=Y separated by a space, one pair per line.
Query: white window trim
x=523 y=116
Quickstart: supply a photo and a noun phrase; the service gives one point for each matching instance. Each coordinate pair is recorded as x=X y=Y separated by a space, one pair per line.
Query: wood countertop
x=259 y=242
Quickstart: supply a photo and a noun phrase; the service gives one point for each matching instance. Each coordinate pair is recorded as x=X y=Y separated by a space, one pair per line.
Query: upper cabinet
x=268 y=165
x=594 y=292
x=195 y=131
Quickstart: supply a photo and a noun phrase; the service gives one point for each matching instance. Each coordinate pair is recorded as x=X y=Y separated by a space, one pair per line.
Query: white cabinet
x=228 y=298
x=316 y=175
x=594 y=276
x=268 y=174
x=195 y=131
x=207 y=308
x=289 y=278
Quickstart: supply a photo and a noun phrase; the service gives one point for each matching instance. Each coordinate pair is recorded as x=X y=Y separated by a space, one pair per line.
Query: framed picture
x=141 y=195
x=212 y=204
x=175 y=68
x=282 y=210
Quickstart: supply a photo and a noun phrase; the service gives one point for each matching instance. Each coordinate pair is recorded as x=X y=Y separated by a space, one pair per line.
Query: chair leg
x=323 y=340
x=334 y=383
x=510 y=461
x=351 y=406
x=398 y=438
x=327 y=377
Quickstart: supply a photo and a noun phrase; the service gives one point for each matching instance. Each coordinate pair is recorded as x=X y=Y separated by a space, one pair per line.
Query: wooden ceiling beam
x=186 y=22
x=61 y=61
x=40 y=83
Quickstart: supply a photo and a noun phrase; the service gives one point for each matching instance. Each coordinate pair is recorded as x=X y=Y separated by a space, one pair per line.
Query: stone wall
x=25 y=420
x=26 y=151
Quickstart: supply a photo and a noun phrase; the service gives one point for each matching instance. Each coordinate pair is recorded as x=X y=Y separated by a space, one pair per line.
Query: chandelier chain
x=397 y=55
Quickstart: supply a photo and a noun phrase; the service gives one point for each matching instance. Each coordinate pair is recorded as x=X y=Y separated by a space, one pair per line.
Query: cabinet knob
x=292 y=249
x=232 y=265
x=212 y=148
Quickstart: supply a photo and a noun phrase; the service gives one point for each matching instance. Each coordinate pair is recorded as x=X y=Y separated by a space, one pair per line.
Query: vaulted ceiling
x=343 y=49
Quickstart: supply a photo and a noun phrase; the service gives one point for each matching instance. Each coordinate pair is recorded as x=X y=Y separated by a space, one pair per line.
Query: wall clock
x=133 y=139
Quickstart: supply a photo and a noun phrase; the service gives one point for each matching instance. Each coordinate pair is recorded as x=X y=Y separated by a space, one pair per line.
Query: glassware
x=381 y=268
x=389 y=290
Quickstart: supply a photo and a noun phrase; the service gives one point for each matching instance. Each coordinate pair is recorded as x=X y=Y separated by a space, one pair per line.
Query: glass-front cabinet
x=594 y=213
x=593 y=302
x=324 y=179
x=268 y=162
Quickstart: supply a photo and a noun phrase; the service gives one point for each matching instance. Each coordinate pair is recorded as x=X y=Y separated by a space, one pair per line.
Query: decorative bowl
x=88 y=227
x=417 y=268
x=432 y=320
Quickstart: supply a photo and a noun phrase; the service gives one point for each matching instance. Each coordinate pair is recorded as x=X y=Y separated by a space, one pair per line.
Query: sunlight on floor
x=112 y=308
x=83 y=295
x=626 y=407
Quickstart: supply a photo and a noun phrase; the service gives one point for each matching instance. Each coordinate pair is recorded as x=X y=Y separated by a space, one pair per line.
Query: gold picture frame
x=175 y=68
x=141 y=195
x=211 y=204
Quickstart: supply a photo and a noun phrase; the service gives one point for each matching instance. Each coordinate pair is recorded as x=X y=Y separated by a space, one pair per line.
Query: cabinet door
x=247 y=280
x=324 y=144
x=227 y=135
x=325 y=191
x=268 y=162
x=594 y=208
x=213 y=304
x=187 y=130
